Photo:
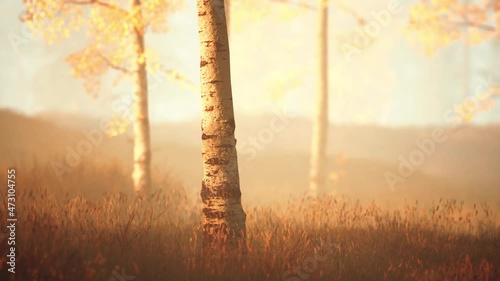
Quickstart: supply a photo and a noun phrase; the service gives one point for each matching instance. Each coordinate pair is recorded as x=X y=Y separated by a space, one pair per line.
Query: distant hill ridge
x=468 y=158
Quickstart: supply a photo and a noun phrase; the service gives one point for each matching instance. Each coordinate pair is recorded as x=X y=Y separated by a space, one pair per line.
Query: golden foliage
x=155 y=13
x=472 y=106
x=109 y=26
x=53 y=19
x=89 y=65
x=118 y=125
x=437 y=23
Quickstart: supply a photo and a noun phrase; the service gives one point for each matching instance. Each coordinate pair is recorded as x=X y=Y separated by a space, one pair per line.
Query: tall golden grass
x=89 y=226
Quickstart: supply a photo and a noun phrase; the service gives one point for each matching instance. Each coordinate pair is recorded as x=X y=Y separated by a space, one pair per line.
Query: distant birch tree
x=116 y=41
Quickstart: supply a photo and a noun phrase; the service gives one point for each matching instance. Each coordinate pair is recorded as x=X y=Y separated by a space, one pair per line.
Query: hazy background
x=381 y=102
x=390 y=83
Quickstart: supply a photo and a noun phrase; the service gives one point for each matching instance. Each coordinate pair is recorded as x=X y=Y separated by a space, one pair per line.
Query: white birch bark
x=223 y=213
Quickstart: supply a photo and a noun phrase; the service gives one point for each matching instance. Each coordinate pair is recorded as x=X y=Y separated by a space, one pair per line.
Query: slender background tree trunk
x=466 y=56
x=320 y=126
x=222 y=210
x=141 y=174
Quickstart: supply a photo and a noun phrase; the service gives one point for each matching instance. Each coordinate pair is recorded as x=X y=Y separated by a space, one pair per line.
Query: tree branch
x=300 y=4
x=456 y=13
x=112 y=65
x=361 y=20
x=97 y=2
x=345 y=8
x=476 y=25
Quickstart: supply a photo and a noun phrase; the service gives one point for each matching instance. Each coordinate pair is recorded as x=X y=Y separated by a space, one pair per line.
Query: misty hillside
x=360 y=156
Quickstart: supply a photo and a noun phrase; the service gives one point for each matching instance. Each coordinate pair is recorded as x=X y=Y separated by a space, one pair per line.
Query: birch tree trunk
x=223 y=215
x=141 y=174
x=227 y=9
x=320 y=126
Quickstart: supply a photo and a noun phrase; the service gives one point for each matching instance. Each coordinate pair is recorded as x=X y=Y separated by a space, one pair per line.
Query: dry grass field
x=88 y=225
x=96 y=230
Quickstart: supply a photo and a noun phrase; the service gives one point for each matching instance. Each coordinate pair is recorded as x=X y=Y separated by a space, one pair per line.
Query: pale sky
x=391 y=82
